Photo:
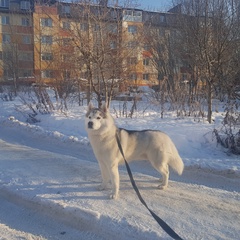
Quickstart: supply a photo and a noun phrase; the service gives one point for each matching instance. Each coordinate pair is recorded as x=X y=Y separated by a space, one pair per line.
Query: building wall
x=46 y=28
x=16 y=41
x=48 y=56
x=143 y=73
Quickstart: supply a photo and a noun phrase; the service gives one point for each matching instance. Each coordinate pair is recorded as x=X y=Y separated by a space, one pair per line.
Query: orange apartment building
x=60 y=30
x=41 y=38
x=45 y=32
x=16 y=41
x=142 y=72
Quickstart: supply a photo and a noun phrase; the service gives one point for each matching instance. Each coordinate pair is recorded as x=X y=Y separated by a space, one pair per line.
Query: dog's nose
x=90 y=124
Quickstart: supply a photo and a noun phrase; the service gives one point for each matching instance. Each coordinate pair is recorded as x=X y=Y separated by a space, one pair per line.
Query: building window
x=66 y=41
x=132 y=44
x=133 y=76
x=47 y=74
x=147 y=47
x=46 y=22
x=137 y=13
x=4 y=3
x=132 y=15
x=146 y=61
x=83 y=75
x=83 y=26
x=113 y=45
x=25 y=22
x=47 y=56
x=65 y=57
x=66 y=9
x=162 y=18
x=46 y=39
x=7 y=55
x=132 y=61
x=26 y=39
x=184 y=77
x=96 y=27
x=66 y=74
x=5 y=20
x=25 y=5
x=128 y=12
x=6 y=38
x=26 y=56
x=114 y=14
x=112 y=28
x=161 y=32
x=27 y=73
x=7 y=73
x=146 y=76
x=66 y=25
x=132 y=29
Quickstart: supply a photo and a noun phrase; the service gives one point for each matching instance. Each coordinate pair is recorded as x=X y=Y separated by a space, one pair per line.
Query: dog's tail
x=176 y=162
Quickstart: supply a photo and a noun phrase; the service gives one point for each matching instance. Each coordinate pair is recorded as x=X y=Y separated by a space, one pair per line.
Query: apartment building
x=50 y=42
x=16 y=41
x=140 y=71
x=46 y=34
x=68 y=41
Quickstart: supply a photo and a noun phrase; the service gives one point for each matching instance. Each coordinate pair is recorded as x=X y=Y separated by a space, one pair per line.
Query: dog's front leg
x=105 y=176
x=114 y=173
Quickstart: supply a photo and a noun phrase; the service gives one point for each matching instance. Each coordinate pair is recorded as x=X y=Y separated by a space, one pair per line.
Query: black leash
x=163 y=224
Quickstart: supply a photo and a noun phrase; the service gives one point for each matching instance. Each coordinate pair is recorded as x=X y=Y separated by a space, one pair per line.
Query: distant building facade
x=36 y=41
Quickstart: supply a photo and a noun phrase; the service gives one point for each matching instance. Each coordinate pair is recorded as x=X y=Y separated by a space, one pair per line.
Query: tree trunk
x=209 y=101
x=88 y=93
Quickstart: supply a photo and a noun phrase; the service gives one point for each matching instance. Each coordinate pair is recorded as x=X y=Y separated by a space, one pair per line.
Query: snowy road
x=43 y=177
x=18 y=221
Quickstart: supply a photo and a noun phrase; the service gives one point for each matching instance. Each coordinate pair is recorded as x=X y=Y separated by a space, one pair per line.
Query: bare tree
x=96 y=35
x=159 y=30
x=208 y=39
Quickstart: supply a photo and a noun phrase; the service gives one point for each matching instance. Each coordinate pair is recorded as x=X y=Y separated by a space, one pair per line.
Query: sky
x=161 y=5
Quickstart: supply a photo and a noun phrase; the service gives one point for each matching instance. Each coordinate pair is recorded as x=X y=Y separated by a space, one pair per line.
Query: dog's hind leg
x=160 y=162
x=163 y=169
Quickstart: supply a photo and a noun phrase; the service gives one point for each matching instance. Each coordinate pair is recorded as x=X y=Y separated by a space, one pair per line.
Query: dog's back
x=142 y=145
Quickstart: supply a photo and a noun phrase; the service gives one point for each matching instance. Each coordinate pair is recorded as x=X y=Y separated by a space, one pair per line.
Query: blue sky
x=161 y=5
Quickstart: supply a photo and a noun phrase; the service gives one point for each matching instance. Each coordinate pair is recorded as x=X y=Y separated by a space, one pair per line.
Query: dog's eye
x=89 y=117
x=98 y=118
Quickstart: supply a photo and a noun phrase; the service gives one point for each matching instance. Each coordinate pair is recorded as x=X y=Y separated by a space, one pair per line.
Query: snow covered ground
x=49 y=176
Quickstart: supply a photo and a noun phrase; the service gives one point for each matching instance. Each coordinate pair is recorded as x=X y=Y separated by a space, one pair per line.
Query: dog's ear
x=90 y=106
x=104 y=108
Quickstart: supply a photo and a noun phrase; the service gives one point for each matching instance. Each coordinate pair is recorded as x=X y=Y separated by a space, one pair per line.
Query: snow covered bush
x=229 y=134
x=7 y=93
x=34 y=102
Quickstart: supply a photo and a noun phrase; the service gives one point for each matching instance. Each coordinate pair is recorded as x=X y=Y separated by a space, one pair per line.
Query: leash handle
x=160 y=222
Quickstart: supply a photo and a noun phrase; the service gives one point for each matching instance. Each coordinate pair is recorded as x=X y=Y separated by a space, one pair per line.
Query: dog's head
x=95 y=118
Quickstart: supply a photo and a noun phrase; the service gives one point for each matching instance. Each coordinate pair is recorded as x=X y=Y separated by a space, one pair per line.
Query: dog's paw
x=162 y=187
x=113 y=196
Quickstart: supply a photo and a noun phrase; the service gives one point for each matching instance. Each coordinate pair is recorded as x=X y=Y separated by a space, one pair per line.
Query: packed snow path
x=42 y=178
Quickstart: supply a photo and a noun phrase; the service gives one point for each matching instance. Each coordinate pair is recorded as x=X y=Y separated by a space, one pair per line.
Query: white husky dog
x=154 y=146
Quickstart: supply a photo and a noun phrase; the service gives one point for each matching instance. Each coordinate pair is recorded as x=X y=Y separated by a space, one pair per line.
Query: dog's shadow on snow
x=89 y=190
x=73 y=191
x=80 y=190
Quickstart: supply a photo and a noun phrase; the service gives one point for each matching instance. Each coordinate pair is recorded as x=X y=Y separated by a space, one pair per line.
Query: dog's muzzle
x=90 y=124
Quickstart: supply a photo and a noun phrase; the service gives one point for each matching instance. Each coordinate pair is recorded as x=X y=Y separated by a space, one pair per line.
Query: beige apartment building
x=16 y=41
x=50 y=42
